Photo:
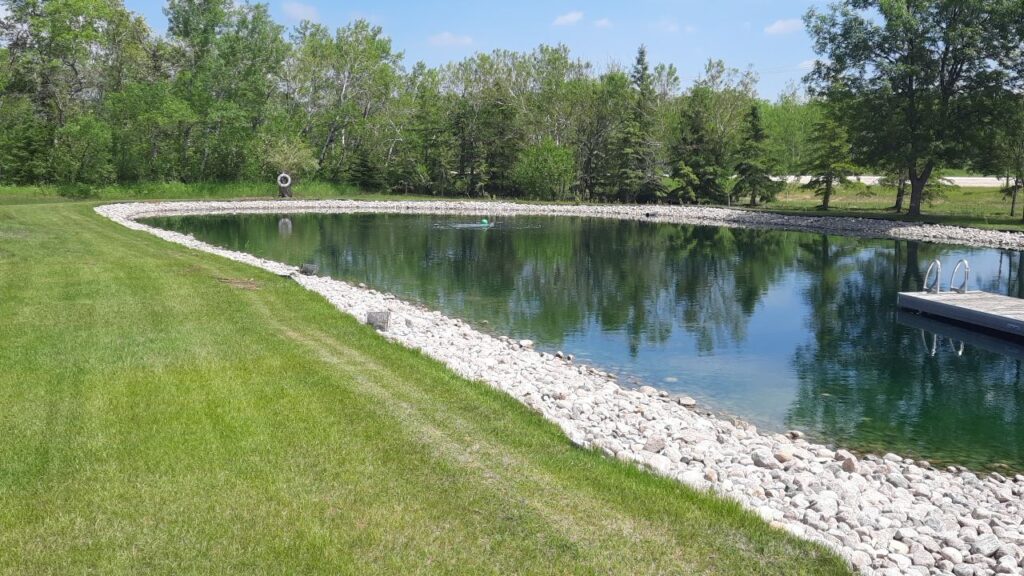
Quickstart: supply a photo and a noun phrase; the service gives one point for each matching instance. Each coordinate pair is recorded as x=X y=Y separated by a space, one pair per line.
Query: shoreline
x=884 y=514
x=691 y=215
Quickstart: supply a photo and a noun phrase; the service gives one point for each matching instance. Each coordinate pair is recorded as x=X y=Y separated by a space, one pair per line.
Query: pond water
x=784 y=329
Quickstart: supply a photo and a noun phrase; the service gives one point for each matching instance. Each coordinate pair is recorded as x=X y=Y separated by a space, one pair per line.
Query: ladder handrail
x=967 y=274
x=934 y=288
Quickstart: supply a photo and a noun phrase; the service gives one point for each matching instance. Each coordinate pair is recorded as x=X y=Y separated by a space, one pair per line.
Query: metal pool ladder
x=936 y=287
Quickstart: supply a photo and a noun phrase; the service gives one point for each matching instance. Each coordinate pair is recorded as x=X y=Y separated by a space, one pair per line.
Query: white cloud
x=689 y=29
x=667 y=25
x=603 y=23
x=448 y=39
x=786 y=26
x=807 y=64
x=568 y=19
x=298 y=11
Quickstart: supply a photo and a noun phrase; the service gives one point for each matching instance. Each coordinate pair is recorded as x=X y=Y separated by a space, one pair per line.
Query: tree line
x=90 y=95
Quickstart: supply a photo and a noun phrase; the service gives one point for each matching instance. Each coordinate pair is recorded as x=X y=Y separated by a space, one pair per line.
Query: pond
x=783 y=329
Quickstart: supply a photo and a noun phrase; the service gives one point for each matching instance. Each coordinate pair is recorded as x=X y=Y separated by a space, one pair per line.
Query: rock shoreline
x=885 y=514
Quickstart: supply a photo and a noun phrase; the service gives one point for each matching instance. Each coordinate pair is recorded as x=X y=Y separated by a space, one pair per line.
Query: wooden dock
x=1003 y=314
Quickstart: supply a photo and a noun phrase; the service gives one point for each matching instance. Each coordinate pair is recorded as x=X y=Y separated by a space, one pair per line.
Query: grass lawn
x=167 y=411
x=973 y=207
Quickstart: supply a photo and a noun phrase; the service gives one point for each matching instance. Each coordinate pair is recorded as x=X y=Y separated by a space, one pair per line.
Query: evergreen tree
x=700 y=165
x=753 y=175
x=365 y=171
x=639 y=178
x=830 y=164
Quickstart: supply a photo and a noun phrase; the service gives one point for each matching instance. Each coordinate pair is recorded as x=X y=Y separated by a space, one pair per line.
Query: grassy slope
x=167 y=411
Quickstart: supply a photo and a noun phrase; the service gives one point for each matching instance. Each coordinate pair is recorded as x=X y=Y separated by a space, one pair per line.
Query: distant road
x=964 y=181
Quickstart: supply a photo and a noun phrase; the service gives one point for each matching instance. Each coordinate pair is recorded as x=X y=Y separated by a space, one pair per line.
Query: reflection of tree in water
x=549 y=278
x=868 y=382
x=1009 y=277
x=721 y=275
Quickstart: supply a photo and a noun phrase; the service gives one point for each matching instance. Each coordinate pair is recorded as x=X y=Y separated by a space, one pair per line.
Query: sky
x=767 y=35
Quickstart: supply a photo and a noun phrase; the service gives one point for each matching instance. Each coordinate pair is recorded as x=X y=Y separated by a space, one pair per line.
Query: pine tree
x=700 y=166
x=831 y=164
x=639 y=179
x=753 y=175
x=366 y=172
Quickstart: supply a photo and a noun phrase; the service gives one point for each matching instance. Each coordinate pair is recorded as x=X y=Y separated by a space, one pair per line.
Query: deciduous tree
x=911 y=75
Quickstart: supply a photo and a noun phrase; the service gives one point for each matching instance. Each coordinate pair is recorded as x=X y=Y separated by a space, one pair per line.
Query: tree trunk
x=1018 y=185
x=1013 y=202
x=827 y=195
x=918 y=180
x=327 y=144
x=901 y=192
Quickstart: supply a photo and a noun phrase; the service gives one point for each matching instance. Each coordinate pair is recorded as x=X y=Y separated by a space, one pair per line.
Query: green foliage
x=754 y=176
x=639 y=180
x=149 y=123
x=701 y=156
x=81 y=152
x=287 y=153
x=598 y=158
x=25 y=139
x=545 y=171
x=710 y=131
x=830 y=164
x=914 y=84
x=789 y=122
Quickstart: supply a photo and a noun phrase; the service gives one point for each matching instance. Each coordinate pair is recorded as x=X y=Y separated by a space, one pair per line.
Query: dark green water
x=784 y=329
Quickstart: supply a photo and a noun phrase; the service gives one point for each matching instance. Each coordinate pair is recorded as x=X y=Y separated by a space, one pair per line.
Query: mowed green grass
x=971 y=207
x=166 y=411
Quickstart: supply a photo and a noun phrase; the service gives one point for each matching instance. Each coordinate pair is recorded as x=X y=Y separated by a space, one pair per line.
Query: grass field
x=166 y=411
x=975 y=207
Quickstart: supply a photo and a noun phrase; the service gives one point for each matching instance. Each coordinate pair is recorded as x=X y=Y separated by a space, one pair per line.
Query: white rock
x=655 y=444
x=784 y=454
x=898 y=547
x=764 y=458
x=693 y=478
x=1007 y=565
x=963 y=570
x=986 y=545
x=860 y=559
x=659 y=463
x=952 y=554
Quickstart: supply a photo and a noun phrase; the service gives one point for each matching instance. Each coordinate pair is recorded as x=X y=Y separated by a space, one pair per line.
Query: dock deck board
x=992 y=311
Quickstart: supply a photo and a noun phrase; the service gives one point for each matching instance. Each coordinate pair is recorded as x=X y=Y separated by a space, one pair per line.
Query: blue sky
x=765 y=34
